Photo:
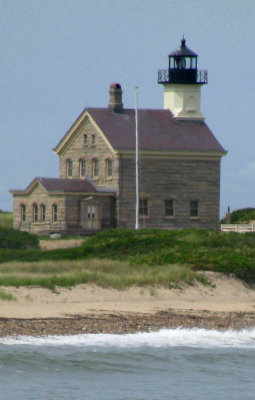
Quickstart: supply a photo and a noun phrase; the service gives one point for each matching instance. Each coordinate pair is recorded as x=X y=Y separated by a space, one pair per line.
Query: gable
x=35 y=187
x=74 y=138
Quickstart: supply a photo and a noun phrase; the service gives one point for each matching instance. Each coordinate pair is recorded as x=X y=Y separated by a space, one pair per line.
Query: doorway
x=91 y=218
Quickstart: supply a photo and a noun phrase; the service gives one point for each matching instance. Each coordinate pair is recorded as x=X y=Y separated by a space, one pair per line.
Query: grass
x=243 y=215
x=200 y=249
x=122 y=258
x=12 y=239
x=102 y=272
x=6 y=219
x=7 y=296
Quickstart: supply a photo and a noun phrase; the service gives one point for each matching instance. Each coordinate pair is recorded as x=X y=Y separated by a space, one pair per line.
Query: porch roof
x=61 y=185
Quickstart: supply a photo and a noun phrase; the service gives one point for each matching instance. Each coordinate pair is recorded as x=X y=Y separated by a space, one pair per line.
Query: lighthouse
x=182 y=83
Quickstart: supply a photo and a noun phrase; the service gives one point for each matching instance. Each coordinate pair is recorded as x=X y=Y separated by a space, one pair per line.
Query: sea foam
x=163 y=338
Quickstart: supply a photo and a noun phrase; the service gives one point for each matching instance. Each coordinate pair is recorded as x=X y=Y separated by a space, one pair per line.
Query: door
x=90 y=214
x=92 y=217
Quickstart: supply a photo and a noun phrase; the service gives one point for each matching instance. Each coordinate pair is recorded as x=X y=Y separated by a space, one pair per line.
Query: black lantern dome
x=182 y=67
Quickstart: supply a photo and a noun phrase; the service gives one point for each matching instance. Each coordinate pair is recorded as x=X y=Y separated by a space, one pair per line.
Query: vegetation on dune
x=13 y=239
x=103 y=272
x=243 y=215
x=120 y=258
x=6 y=219
x=201 y=249
x=7 y=296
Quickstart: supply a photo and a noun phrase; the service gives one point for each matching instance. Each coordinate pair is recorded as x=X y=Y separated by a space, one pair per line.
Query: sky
x=58 y=57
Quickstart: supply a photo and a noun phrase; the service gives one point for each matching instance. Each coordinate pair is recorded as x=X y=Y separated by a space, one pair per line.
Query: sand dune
x=229 y=295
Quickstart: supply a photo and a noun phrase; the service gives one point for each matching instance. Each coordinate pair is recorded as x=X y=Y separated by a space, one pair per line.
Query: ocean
x=178 y=364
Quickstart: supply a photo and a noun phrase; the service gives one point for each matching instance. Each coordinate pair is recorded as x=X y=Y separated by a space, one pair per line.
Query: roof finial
x=183 y=41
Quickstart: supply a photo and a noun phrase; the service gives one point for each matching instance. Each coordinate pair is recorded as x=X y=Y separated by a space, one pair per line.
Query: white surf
x=162 y=338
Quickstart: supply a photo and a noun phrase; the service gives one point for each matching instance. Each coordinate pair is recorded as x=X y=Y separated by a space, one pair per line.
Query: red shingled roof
x=158 y=130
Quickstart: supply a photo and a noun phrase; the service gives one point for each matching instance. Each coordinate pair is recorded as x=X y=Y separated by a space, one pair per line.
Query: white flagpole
x=136 y=161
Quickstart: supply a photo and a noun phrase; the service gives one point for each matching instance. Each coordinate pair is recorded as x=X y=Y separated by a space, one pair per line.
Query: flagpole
x=136 y=161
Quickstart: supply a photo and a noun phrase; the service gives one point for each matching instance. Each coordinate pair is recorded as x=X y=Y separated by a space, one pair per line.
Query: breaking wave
x=163 y=338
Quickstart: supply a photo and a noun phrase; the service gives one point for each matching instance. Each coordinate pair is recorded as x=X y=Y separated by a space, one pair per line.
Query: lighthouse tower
x=182 y=83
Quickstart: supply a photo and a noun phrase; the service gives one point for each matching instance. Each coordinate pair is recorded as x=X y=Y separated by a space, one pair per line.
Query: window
x=93 y=139
x=95 y=168
x=194 y=208
x=85 y=140
x=43 y=213
x=169 y=208
x=23 y=213
x=143 y=207
x=108 y=168
x=82 y=167
x=69 y=168
x=35 y=213
x=54 y=212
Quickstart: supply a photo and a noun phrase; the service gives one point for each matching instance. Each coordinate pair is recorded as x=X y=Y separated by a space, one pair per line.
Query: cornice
x=180 y=154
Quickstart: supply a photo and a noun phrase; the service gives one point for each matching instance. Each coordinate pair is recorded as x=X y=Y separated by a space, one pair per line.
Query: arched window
x=82 y=167
x=35 y=213
x=85 y=140
x=93 y=139
x=54 y=212
x=108 y=168
x=23 y=215
x=42 y=212
x=69 y=168
x=95 y=168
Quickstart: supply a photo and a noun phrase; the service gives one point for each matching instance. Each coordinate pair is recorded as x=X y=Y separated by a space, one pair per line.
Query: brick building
x=179 y=164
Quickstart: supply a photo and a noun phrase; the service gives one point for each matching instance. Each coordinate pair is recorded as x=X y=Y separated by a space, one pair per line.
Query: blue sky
x=59 y=56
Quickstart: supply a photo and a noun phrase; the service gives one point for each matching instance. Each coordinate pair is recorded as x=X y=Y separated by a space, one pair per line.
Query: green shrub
x=14 y=239
x=7 y=296
x=199 y=249
x=6 y=219
x=241 y=216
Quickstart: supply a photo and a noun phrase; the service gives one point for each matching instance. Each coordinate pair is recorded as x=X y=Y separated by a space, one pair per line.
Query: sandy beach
x=92 y=309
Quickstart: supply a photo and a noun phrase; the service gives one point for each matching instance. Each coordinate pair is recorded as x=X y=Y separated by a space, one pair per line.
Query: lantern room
x=182 y=68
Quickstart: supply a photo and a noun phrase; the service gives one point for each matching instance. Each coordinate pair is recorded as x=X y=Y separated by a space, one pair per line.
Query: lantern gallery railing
x=182 y=76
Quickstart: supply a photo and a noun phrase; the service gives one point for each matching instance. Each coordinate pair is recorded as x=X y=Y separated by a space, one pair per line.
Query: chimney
x=115 y=101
